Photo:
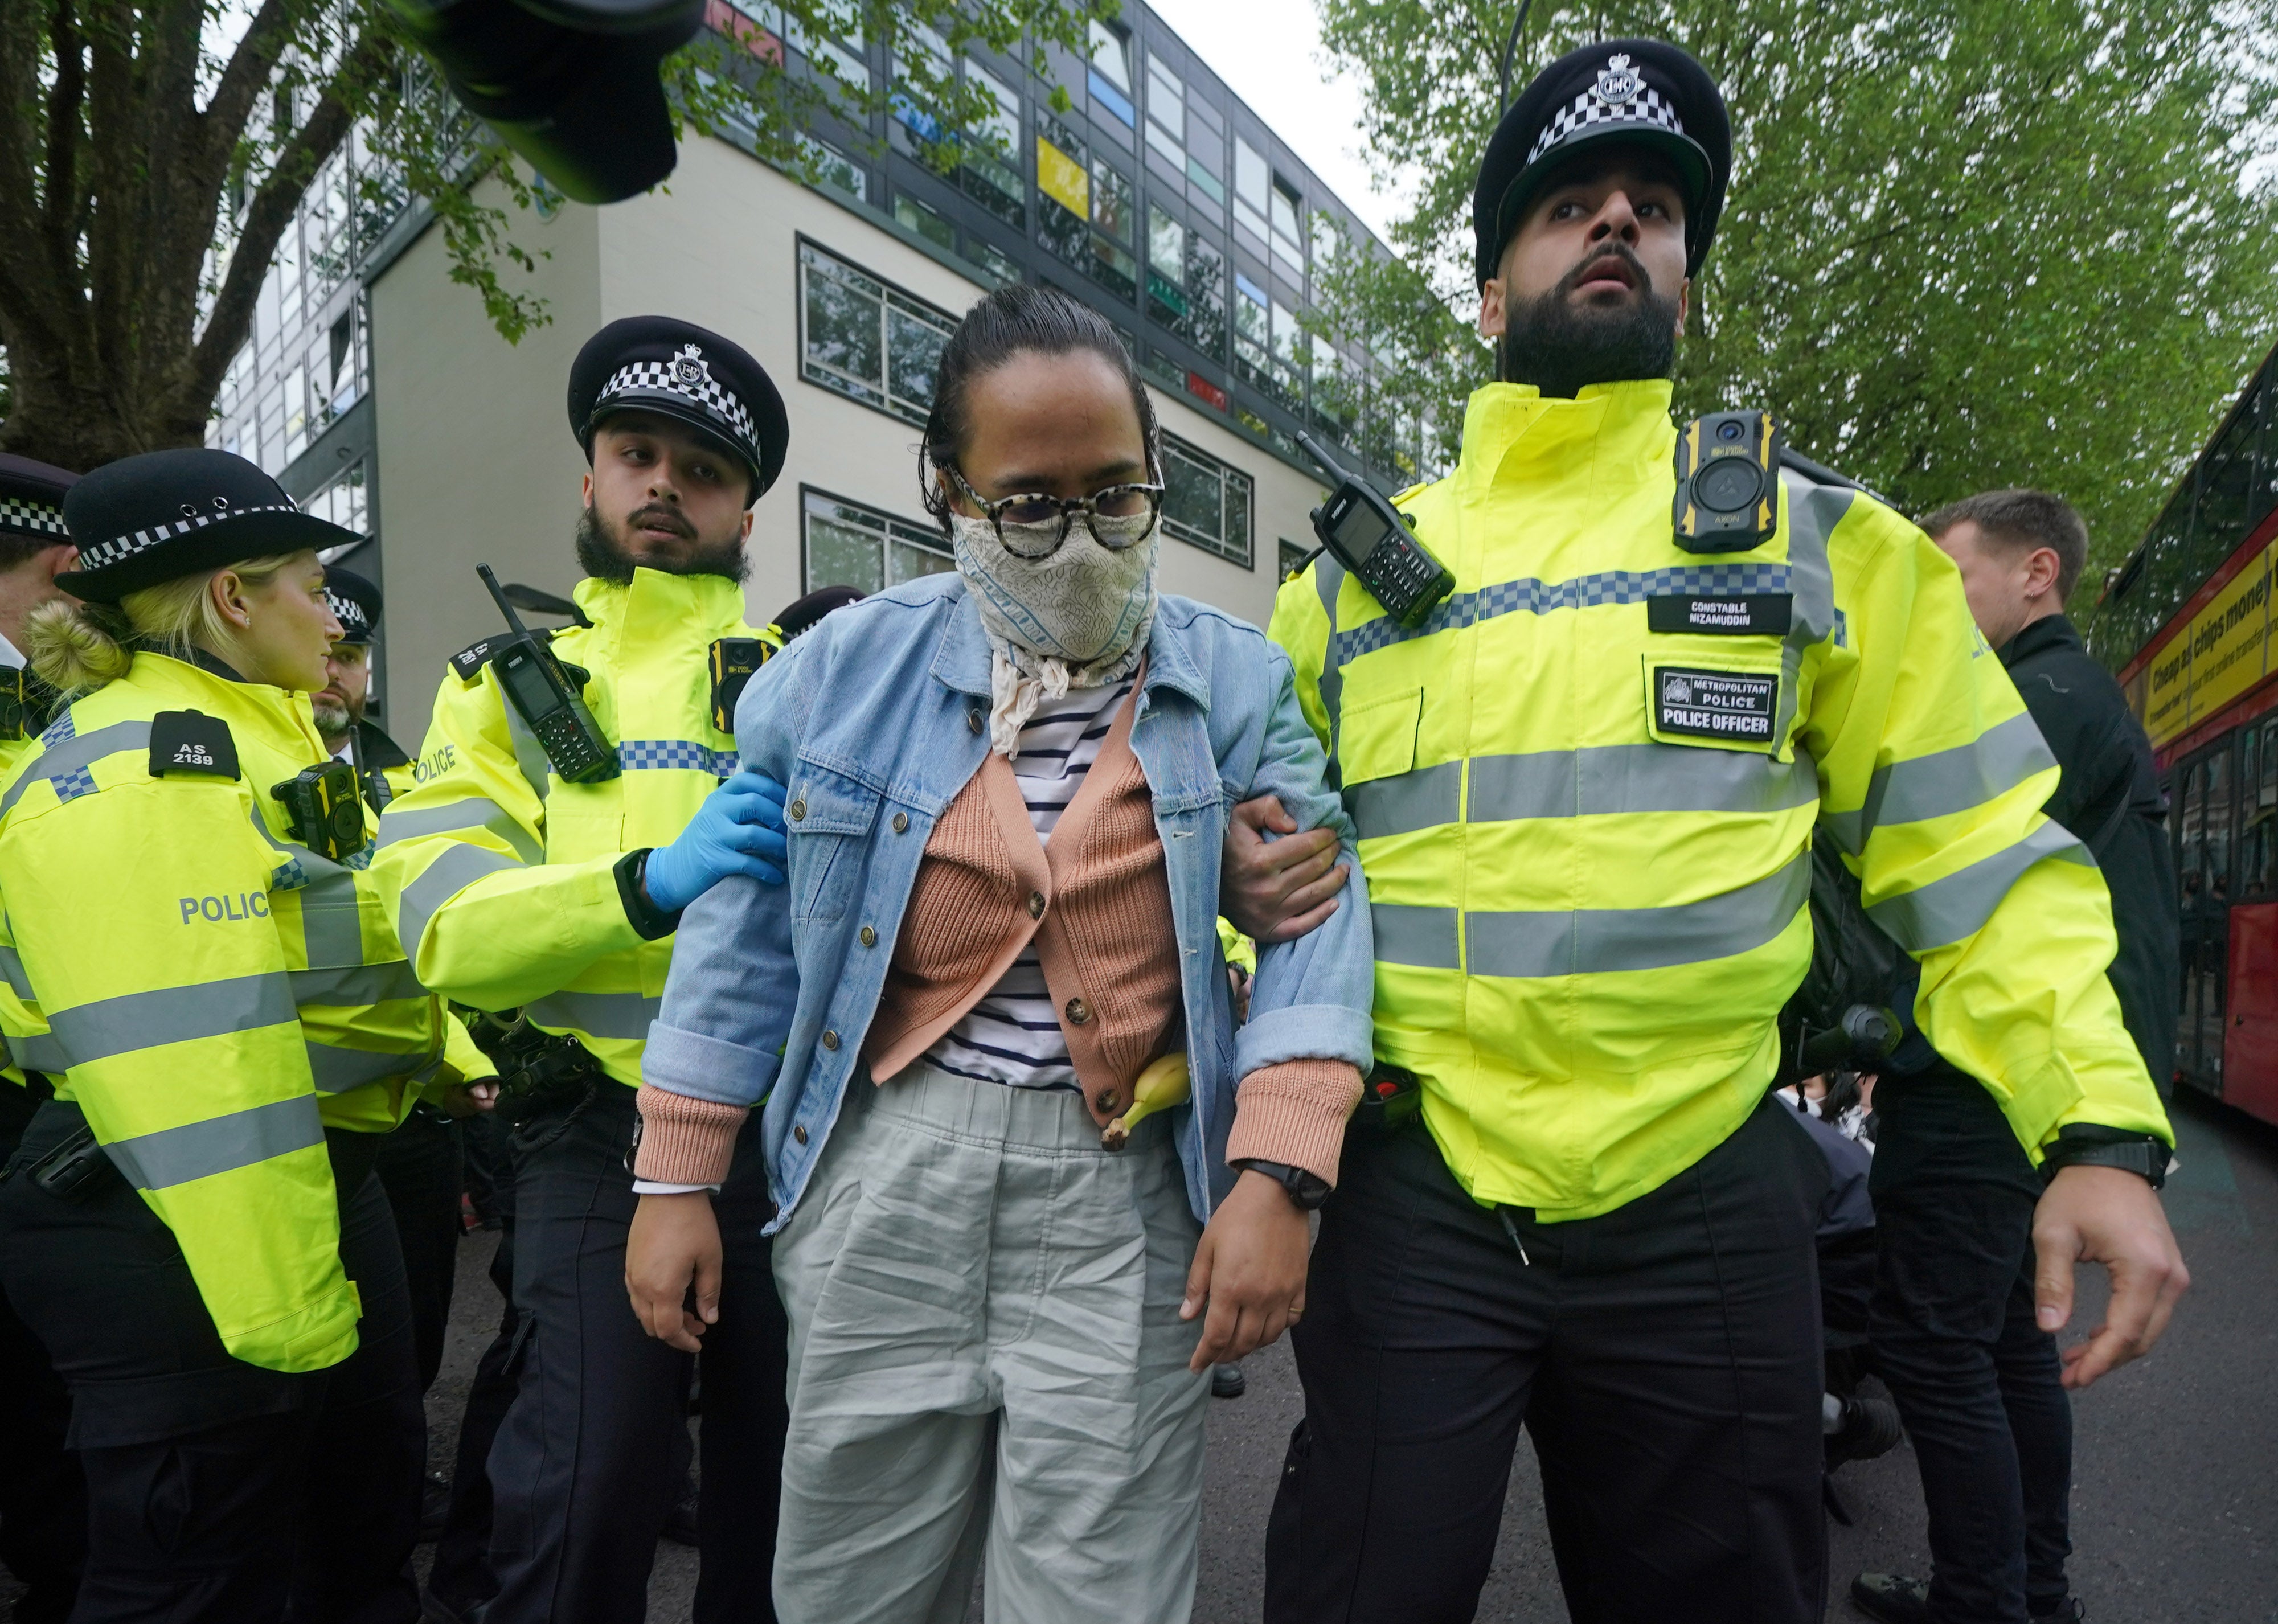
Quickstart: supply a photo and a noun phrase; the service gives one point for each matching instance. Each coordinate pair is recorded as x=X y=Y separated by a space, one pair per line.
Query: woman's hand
x=1249 y=1267
x=675 y=1243
x=461 y=1100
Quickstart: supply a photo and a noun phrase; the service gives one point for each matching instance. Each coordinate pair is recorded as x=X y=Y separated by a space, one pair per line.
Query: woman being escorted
x=1006 y=791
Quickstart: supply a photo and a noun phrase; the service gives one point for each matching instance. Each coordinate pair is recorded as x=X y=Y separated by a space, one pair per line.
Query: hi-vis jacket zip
x=1586 y=789
x=504 y=874
x=211 y=994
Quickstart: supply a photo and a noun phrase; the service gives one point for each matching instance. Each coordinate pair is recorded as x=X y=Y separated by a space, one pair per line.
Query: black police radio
x=1728 y=487
x=1369 y=537
x=546 y=700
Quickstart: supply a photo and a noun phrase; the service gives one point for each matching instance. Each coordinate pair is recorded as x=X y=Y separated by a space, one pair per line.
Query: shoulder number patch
x=192 y=741
x=1740 y=615
x=1734 y=707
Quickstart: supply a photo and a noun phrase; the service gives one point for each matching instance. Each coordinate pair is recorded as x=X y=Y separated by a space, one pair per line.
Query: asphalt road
x=2174 y=1505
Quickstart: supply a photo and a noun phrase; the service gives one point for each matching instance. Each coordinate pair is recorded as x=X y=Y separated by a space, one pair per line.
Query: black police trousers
x=1665 y=1356
x=589 y=1454
x=217 y=1491
x=1978 y=1383
x=43 y=1499
x=423 y=1170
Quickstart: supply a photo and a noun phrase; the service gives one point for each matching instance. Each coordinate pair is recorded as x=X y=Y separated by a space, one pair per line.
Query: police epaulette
x=192 y=741
x=468 y=661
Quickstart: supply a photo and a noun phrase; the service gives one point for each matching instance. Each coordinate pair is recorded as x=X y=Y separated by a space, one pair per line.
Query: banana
x=1165 y=1082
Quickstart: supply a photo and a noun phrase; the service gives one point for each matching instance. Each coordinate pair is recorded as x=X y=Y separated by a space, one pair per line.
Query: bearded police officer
x=1585 y=786
x=384 y=769
x=42 y=1502
x=570 y=804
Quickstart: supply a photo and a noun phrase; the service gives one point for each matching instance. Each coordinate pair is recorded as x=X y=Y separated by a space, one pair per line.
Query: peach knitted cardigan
x=1097 y=904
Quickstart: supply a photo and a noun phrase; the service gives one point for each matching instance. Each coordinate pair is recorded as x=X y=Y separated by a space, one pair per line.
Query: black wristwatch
x=2084 y=1145
x=650 y=922
x=1306 y=1191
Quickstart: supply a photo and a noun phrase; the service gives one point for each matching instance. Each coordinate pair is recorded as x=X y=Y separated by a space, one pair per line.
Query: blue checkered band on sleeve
x=650 y=755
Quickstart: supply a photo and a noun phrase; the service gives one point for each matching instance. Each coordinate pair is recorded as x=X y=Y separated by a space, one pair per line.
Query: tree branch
x=68 y=96
x=251 y=67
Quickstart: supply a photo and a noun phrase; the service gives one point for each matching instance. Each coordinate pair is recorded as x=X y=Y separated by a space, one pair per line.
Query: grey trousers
x=986 y=1360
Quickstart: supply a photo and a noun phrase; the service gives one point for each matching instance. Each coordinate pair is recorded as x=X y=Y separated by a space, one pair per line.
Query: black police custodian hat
x=355 y=603
x=1638 y=92
x=802 y=613
x=149 y=519
x=32 y=499
x=676 y=369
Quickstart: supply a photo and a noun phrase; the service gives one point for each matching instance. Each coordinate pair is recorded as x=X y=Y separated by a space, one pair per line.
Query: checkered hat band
x=21 y=514
x=661 y=378
x=118 y=549
x=1646 y=107
x=346 y=611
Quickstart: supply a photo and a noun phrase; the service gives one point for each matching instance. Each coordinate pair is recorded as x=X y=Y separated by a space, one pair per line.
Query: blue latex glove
x=738 y=830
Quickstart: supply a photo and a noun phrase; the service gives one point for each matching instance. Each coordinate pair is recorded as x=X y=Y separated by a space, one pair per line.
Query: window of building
x=1167 y=112
x=992 y=259
x=846 y=543
x=1293 y=557
x=1088 y=215
x=928 y=223
x=1205 y=502
x=990 y=174
x=866 y=339
x=1253 y=186
x=1186 y=282
x=1110 y=78
x=1288 y=237
x=833 y=168
x=1253 y=332
x=343 y=501
x=1166 y=269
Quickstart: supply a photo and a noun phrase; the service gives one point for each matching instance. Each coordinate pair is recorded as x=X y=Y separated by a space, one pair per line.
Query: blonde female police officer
x=191 y=1226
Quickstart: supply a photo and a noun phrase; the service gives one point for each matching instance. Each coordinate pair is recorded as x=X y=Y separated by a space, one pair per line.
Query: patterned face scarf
x=1075 y=618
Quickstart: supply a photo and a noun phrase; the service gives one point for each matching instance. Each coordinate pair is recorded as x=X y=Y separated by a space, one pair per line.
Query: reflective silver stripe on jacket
x=354 y=986
x=1945 y=781
x=443 y=879
x=332 y=923
x=1594 y=941
x=133 y=1021
x=1813 y=512
x=337 y=1070
x=1947 y=911
x=11 y=967
x=77 y=753
x=39 y=1054
x=602 y=1015
x=477 y=812
x=529 y=754
x=1608 y=781
x=217 y=1145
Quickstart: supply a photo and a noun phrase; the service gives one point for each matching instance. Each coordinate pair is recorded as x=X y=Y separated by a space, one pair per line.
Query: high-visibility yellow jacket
x=1588 y=841
x=15 y=1015
x=505 y=875
x=210 y=993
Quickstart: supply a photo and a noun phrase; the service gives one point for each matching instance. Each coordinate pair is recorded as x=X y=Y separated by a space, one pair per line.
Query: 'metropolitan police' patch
x=1730 y=708
x=192 y=741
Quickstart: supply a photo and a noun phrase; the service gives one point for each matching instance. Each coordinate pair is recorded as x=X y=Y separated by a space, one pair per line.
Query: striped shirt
x=1012 y=1035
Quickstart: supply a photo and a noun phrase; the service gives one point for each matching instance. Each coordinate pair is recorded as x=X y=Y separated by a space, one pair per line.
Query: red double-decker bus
x=2186 y=625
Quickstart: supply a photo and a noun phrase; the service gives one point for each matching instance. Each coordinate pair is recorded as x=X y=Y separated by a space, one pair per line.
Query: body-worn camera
x=324 y=805
x=1370 y=537
x=547 y=701
x=1728 y=488
x=734 y=662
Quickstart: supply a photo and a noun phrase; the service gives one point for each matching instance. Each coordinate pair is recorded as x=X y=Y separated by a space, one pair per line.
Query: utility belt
x=1391 y=1098
x=538 y=1070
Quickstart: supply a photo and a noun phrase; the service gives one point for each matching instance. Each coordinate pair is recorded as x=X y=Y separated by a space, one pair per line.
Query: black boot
x=1893 y=1598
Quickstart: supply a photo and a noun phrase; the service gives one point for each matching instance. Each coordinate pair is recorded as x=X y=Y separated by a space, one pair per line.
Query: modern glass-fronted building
x=377 y=392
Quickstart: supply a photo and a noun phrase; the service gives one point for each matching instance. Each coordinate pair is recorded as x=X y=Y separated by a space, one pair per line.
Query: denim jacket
x=875 y=720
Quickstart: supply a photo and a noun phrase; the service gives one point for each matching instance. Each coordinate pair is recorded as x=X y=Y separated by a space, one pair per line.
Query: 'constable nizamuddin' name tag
x=1730 y=708
x=1744 y=614
x=192 y=741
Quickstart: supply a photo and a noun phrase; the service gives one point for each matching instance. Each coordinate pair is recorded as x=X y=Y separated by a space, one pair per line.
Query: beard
x=1559 y=346
x=603 y=553
x=334 y=719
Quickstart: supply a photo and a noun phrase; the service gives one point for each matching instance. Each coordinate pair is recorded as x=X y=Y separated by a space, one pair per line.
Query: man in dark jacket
x=2020 y=552
x=1979 y=1384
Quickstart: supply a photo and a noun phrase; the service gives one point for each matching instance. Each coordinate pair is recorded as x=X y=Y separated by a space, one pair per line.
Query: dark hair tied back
x=1014 y=319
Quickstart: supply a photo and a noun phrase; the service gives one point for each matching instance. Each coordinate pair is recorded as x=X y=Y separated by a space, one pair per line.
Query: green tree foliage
x=151 y=156
x=1967 y=245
